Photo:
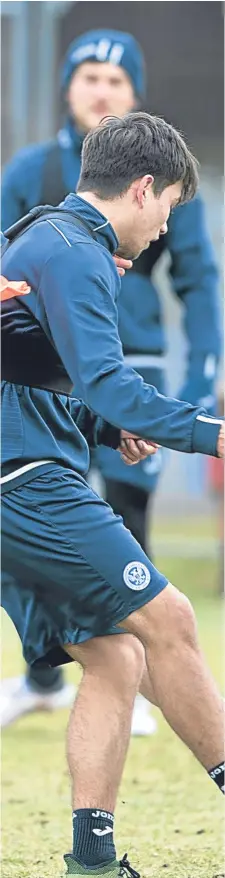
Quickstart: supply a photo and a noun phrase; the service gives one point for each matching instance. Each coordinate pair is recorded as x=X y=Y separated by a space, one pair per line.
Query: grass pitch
x=169 y=814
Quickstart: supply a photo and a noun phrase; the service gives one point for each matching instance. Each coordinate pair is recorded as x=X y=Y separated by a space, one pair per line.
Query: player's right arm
x=79 y=287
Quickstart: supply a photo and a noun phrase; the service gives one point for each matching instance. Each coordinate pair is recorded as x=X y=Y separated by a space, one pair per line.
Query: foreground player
x=103 y=74
x=79 y=574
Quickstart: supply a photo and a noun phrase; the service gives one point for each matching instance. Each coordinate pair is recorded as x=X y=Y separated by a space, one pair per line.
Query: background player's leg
x=184 y=688
x=132 y=503
x=45 y=678
x=37 y=689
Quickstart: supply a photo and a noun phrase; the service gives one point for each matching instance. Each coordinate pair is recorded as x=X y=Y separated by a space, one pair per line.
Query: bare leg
x=182 y=683
x=146 y=687
x=100 y=722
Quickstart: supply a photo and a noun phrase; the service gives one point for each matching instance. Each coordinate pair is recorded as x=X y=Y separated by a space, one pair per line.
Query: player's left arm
x=195 y=280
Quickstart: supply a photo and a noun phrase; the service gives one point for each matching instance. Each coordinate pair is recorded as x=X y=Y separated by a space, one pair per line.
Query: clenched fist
x=133 y=449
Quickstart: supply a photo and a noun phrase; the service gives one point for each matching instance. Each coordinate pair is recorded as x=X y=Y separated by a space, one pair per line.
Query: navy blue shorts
x=71 y=570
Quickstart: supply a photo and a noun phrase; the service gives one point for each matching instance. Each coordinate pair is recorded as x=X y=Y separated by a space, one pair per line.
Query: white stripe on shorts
x=23 y=469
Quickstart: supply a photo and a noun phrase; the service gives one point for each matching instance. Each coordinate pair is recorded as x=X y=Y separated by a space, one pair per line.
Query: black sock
x=217 y=774
x=44 y=679
x=93 y=843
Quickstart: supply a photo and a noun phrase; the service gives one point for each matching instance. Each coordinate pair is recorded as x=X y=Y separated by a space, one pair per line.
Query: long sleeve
x=195 y=281
x=77 y=292
x=95 y=430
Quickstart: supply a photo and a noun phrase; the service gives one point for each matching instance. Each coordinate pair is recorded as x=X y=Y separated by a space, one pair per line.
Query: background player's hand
x=221 y=442
x=122 y=264
x=133 y=449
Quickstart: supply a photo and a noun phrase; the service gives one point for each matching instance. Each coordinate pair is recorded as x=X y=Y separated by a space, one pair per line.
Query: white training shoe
x=143 y=723
x=17 y=699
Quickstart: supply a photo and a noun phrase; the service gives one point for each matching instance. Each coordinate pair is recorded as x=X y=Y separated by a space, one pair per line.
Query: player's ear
x=148 y=184
x=143 y=189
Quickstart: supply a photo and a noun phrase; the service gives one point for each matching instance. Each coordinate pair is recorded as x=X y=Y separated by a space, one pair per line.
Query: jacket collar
x=105 y=233
x=69 y=137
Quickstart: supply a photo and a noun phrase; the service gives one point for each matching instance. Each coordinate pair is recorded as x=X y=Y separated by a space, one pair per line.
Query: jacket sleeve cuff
x=109 y=435
x=205 y=435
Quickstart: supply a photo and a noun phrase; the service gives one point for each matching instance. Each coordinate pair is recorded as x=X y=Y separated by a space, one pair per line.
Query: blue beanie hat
x=107 y=45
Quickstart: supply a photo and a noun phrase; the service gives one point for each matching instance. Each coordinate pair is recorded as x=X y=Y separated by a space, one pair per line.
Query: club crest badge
x=136 y=575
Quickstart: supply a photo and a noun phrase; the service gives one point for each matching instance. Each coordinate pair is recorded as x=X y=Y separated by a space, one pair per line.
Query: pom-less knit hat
x=102 y=45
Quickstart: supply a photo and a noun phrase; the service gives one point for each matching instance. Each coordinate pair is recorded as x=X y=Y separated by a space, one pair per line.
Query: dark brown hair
x=120 y=150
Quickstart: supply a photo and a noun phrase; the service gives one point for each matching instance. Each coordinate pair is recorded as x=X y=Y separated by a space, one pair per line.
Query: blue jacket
x=193 y=269
x=67 y=328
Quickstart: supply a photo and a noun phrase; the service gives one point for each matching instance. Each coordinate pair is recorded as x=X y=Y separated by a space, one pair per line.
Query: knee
x=166 y=621
x=131 y=659
x=182 y=625
x=120 y=657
